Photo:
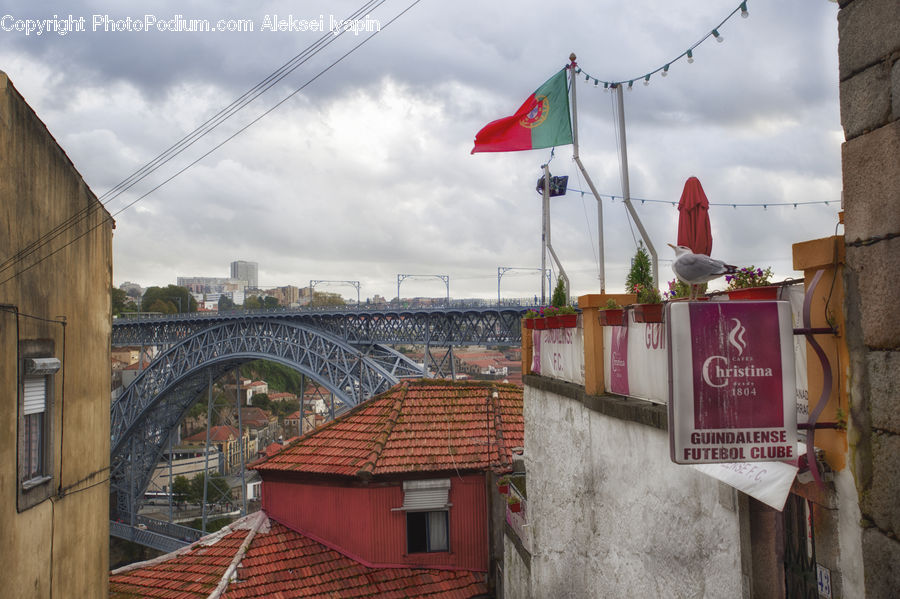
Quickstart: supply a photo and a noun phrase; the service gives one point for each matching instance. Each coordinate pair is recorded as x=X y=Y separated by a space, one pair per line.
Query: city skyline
x=366 y=173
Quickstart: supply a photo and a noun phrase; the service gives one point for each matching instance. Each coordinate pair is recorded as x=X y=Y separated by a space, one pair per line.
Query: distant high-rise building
x=246 y=271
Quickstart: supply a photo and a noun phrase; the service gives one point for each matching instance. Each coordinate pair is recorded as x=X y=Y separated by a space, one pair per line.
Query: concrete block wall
x=869 y=53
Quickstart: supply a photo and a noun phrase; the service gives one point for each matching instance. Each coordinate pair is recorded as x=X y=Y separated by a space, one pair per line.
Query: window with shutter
x=35 y=422
x=426 y=503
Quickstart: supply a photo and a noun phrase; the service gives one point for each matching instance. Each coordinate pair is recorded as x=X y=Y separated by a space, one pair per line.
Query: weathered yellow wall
x=62 y=542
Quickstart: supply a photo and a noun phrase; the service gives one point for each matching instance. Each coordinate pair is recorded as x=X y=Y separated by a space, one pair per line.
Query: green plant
x=749 y=276
x=560 y=297
x=567 y=310
x=647 y=294
x=611 y=304
x=531 y=314
x=513 y=499
x=549 y=311
x=641 y=271
x=678 y=289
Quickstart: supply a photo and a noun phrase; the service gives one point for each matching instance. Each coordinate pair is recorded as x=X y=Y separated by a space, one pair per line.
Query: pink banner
x=732 y=389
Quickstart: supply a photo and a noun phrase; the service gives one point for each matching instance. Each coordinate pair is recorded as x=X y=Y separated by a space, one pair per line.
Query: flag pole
x=601 y=261
x=626 y=189
x=545 y=209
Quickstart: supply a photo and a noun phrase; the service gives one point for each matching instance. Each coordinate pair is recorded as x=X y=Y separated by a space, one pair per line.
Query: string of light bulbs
x=664 y=68
x=764 y=206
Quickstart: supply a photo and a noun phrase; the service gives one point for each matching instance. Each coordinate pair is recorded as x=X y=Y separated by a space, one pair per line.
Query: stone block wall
x=869 y=53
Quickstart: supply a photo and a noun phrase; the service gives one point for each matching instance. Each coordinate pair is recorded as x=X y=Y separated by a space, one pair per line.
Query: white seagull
x=696 y=269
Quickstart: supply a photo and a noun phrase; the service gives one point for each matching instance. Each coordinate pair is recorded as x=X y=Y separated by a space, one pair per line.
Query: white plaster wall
x=612 y=516
x=516 y=578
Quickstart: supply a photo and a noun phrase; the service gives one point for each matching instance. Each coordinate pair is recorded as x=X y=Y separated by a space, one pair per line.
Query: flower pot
x=529 y=322
x=769 y=292
x=540 y=324
x=568 y=321
x=648 y=312
x=552 y=322
x=504 y=489
x=611 y=317
x=515 y=507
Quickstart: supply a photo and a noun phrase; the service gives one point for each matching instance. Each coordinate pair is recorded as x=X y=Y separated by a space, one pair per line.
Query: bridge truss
x=343 y=350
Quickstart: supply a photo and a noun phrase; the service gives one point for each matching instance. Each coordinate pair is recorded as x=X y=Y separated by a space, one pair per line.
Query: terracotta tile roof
x=271 y=560
x=217 y=433
x=422 y=426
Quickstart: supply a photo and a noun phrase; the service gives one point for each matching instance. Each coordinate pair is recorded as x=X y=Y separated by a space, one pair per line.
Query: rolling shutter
x=426 y=495
x=35 y=392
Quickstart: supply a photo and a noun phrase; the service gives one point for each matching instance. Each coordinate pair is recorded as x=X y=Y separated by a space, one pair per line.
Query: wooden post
x=594 y=375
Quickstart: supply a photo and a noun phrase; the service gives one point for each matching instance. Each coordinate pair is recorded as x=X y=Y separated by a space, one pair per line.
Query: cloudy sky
x=366 y=172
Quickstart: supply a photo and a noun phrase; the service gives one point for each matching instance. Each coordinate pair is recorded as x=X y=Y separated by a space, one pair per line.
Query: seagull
x=696 y=269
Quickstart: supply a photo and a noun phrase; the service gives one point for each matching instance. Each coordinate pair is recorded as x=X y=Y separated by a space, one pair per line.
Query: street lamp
x=502 y=270
x=444 y=278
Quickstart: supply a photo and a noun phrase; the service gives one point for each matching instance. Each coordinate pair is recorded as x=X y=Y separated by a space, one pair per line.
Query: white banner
x=769 y=482
x=636 y=360
x=559 y=353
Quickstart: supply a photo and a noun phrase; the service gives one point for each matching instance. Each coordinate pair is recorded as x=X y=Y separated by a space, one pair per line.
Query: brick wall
x=869 y=52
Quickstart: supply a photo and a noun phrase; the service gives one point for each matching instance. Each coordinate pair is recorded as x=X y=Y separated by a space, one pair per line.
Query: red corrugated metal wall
x=359 y=520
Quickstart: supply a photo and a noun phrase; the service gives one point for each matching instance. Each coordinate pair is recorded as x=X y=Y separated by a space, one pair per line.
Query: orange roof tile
x=279 y=562
x=422 y=426
x=216 y=433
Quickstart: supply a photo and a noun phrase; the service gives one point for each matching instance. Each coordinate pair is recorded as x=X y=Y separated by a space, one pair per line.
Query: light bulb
x=647 y=80
x=587 y=77
x=718 y=36
x=744 y=13
x=596 y=82
x=690 y=56
x=665 y=70
x=630 y=85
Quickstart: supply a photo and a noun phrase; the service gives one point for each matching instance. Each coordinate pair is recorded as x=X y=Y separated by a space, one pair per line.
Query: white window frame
x=36 y=388
x=430 y=497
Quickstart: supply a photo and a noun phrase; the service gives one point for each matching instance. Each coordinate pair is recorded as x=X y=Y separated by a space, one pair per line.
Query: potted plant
x=613 y=315
x=540 y=321
x=503 y=485
x=649 y=306
x=551 y=315
x=640 y=282
x=514 y=503
x=751 y=283
x=529 y=318
x=568 y=317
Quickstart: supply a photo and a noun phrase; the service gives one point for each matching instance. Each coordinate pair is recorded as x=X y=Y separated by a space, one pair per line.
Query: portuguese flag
x=541 y=122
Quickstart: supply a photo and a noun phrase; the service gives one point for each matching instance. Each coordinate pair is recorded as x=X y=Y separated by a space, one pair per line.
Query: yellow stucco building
x=55 y=278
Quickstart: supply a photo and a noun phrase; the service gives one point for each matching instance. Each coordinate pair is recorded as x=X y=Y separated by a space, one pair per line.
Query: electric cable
x=187 y=141
x=19 y=256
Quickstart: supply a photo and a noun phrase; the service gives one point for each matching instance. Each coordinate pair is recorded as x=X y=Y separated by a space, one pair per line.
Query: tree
x=226 y=303
x=327 y=299
x=118 y=298
x=559 y=297
x=217 y=490
x=261 y=400
x=180 y=298
x=640 y=277
x=252 y=303
x=270 y=302
x=181 y=489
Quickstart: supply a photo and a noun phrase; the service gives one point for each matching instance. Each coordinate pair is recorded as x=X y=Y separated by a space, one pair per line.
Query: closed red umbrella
x=693 y=218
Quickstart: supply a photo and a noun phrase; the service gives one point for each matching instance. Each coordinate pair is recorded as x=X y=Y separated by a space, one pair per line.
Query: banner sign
x=769 y=482
x=731 y=382
x=636 y=360
x=559 y=353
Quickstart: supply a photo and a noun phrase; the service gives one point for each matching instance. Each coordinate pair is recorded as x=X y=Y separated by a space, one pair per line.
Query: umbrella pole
x=601 y=260
x=626 y=190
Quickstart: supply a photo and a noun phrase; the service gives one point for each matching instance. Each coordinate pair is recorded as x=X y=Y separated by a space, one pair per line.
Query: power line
x=187 y=141
x=19 y=256
x=764 y=206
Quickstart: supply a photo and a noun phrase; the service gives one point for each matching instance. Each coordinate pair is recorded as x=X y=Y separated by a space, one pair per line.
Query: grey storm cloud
x=366 y=173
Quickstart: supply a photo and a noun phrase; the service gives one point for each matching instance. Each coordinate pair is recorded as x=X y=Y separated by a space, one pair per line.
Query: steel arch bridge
x=346 y=351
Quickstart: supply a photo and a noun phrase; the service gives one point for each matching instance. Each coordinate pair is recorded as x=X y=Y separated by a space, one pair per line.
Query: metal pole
x=171 y=518
x=237 y=403
x=626 y=190
x=499 y=274
x=547 y=243
x=209 y=402
x=545 y=209
x=601 y=266
x=302 y=396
